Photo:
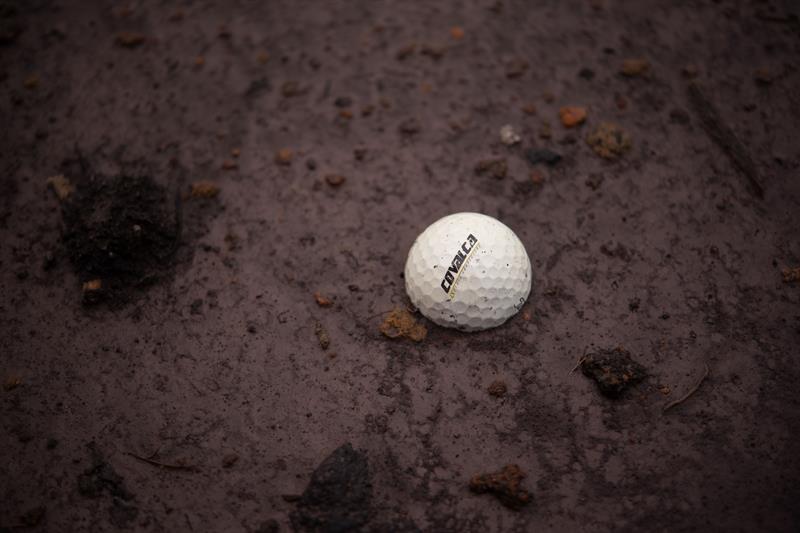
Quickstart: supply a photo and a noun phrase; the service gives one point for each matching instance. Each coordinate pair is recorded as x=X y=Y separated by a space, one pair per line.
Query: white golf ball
x=468 y=271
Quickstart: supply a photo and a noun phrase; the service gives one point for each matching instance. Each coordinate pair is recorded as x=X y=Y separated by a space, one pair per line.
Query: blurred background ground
x=249 y=114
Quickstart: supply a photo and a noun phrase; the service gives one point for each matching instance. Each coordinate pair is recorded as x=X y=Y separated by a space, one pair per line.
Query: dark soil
x=674 y=235
x=613 y=370
x=123 y=231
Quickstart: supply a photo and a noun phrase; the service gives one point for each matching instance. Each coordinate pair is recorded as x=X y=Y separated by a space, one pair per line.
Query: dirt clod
x=791 y=274
x=498 y=388
x=400 y=323
x=129 y=39
x=495 y=168
x=504 y=485
x=322 y=300
x=61 y=186
x=123 y=231
x=634 y=67
x=609 y=141
x=572 y=116
x=11 y=383
x=338 y=496
x=335 y=180
x=284 y=156
x=613 y=370
x=204 y=189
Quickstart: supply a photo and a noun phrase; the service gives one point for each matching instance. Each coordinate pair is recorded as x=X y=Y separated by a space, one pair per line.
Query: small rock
x=335 y=180
x=338 y=497
x=613 y=371
x=322 y=336
x=537 y=178
x=790 y=274
x=343 y=101
x=229 y=460
x=572 y=116
x=410 y=126
x=516 y=68
x=229 y=164
x=322 y=301
x=586 y=73
x=284 y=156
x=609 y=141
x=311 y=164
x=367 y=110
x=359 y=153
x=346 y=114
x=457 y=33
x=542 y=155
x=236 y=152
x=495 y=168
x=498 y=389
x=262 y=57
x=504 y=485
x=634 y=67
x=129 y=39
x=400 y=323
x=508 y=136
x=61 y=186
x=204 y=189
x=92 y=291
x=529 y=109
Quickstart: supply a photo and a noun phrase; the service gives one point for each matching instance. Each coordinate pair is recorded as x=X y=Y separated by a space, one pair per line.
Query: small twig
x=159 y=464
x=580 y=361
x=691 y=391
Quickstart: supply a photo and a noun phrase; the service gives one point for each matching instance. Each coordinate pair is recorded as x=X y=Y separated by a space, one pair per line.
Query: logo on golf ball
x=458 y=265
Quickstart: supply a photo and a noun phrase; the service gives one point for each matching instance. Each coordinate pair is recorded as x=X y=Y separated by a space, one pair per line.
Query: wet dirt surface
x=663 y=249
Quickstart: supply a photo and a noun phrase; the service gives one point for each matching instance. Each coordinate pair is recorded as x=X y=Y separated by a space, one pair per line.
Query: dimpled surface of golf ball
x=468 y=271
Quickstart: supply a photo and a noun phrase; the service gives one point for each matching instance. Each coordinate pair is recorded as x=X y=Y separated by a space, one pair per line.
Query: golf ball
x=468 y=271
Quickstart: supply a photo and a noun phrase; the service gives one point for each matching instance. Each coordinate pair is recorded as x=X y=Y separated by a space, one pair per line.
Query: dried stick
x=159 y=464
x=691 y=391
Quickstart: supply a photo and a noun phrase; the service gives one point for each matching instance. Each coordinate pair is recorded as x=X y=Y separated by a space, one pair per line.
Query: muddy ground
x=214 y=366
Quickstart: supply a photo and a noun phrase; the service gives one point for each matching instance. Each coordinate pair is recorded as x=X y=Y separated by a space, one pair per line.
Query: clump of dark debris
x=102 y=478
x=505 y=485
x=613 y=370
x=339 y=495
x=120 y=233
x=339 y=498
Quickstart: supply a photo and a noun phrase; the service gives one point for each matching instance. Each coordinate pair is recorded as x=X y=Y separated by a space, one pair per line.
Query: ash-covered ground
x=205 y=216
